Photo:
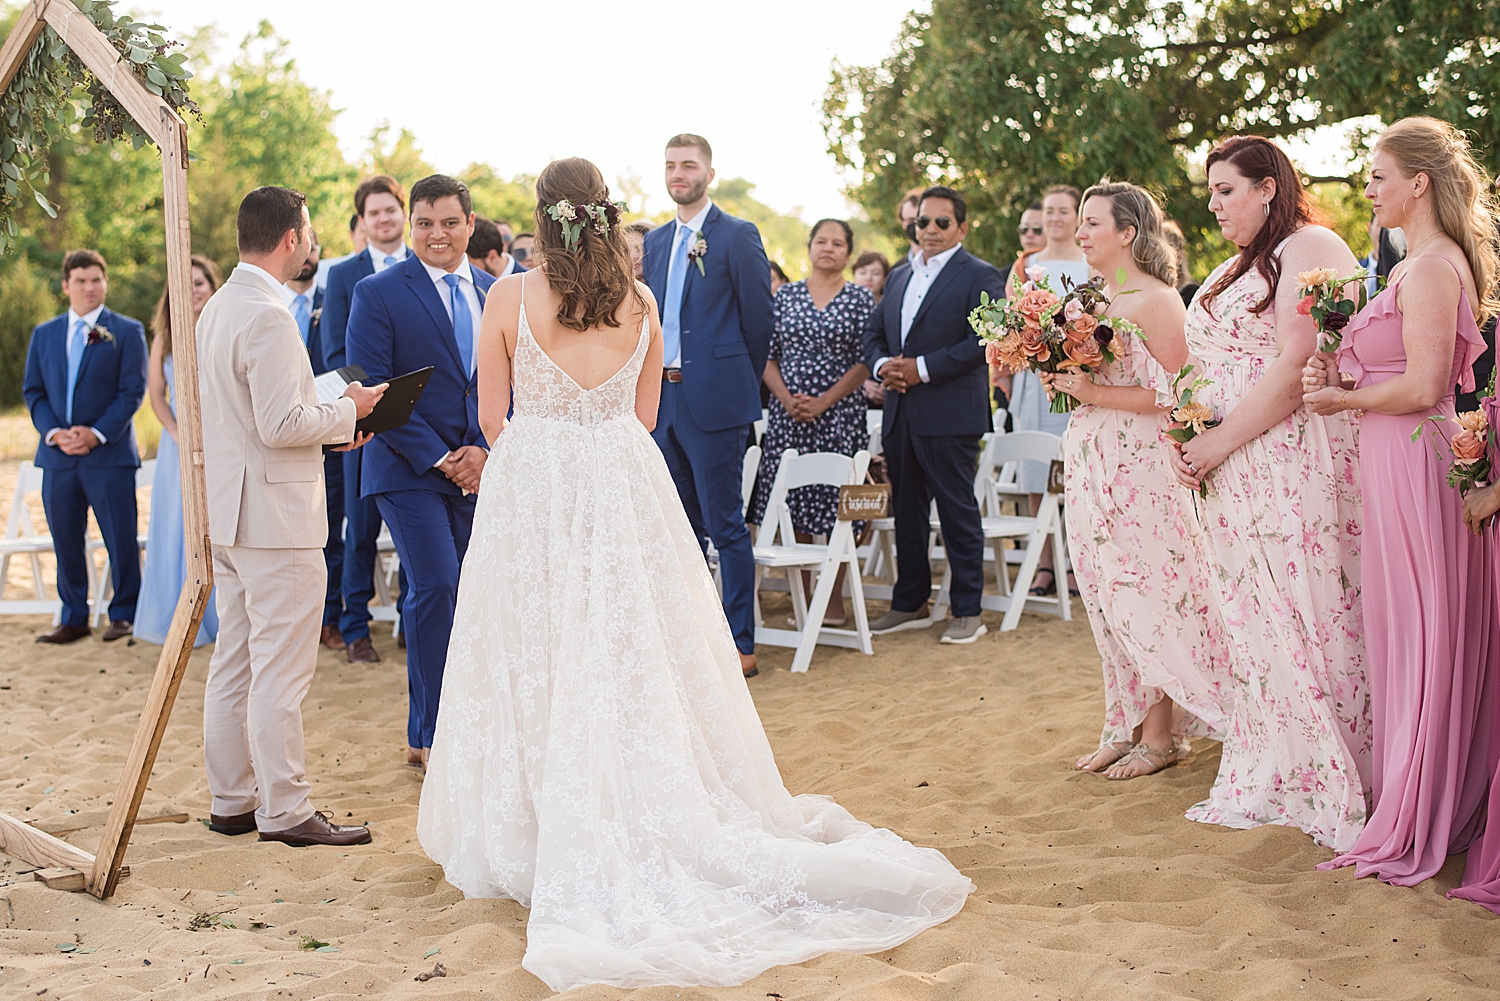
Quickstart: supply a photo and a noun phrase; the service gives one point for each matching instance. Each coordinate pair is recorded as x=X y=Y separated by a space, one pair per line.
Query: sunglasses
x=1032 y=230
x=943 y=222
x=520 y=254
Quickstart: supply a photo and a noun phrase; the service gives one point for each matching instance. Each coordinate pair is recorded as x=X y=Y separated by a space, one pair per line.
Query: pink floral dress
x=1143 y=581
x=1282 y=519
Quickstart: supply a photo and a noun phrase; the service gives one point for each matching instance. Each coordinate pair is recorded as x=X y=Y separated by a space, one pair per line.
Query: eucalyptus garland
x=53 y=89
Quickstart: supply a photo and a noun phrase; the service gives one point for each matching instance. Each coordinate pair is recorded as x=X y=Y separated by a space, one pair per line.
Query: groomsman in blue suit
x=424 y=474
x=710 y=274
x=85 y=377
x=380 y=202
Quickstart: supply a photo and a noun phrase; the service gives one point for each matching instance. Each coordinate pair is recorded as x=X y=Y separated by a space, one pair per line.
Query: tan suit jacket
x=263 y=427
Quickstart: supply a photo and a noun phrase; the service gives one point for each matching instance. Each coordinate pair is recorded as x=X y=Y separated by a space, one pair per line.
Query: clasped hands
x=464 y=466
x=900 y=373
x=76 y=440
x=804 y=408
x=1075 y=384
x=1323 y=386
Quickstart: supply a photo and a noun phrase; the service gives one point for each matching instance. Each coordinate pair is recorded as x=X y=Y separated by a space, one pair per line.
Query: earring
x=1265 y=209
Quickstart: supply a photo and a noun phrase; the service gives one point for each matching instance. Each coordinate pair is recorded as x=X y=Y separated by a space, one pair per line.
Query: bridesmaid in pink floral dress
x=1148 y=597
x=1281 y=516
x=1431 y=621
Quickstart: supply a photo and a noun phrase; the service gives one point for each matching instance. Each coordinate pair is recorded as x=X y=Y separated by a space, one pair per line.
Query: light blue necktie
x=77 y=341
x=302 y=310
x=389 y=261
x=463 y=323
x=671 y=318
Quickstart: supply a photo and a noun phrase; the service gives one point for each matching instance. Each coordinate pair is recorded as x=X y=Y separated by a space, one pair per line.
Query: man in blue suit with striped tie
x=710 y=274
x=424 y=474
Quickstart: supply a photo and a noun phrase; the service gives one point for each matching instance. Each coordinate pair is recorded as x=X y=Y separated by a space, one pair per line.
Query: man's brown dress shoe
x=118 y=629
x=362 y=651
x=244 y=823
x=317 y=830
x=65 y=634
x=331 y=638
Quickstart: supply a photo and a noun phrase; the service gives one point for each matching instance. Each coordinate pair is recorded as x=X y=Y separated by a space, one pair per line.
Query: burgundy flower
x=1336 y=320
x=1104 y=334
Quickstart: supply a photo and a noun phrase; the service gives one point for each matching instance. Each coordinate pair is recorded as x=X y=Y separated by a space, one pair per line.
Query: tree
x=401 y=158
x=784 y=234
x=496 y=198
x=1002 y=97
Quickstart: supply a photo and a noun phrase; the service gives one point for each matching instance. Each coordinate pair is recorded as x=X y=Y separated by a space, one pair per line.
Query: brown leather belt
x=671 y=375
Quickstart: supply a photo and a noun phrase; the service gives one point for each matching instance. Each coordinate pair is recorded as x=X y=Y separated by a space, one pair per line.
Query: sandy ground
x=1086 y=888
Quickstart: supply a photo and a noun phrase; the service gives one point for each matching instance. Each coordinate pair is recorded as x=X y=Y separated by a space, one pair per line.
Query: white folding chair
x=776 y=546
x=22 y=539
x=101 y=588
x=387 y=566
x=874 y=424
x=1033 y=532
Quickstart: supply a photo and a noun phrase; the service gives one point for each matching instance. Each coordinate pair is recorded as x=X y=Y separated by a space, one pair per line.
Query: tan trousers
x=270 y=605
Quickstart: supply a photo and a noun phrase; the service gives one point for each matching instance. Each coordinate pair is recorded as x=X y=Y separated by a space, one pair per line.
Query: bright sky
x=519 y=84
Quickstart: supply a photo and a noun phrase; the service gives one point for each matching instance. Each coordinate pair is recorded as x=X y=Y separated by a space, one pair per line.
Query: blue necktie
x=302 y=310
x=671 y=317
x=389 y=260
x=77 y=341
x=463 y=323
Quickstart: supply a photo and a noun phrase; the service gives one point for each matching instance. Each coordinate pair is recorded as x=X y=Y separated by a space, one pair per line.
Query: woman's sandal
x=1119 y=748
x=1043 y=590
x=1154 y=759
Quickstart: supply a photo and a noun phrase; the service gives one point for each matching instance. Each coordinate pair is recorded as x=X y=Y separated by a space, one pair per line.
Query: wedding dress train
x=598 y=757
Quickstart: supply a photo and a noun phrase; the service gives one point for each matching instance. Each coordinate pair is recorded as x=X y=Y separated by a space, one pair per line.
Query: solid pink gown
x=1432 y=627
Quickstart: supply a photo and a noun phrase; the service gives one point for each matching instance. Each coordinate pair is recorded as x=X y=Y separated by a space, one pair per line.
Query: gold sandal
x=1156 y=760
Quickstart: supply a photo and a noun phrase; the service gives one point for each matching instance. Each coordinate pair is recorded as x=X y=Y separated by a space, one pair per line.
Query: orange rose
x=1082 y=328
x=1032 y=344
x=1468 y=446
x=1034 y=303
x=1083 y=354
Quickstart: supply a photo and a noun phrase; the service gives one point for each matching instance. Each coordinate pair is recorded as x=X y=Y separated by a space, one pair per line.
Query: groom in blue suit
x=85 y=377
x=709 y=272
x=423 y=475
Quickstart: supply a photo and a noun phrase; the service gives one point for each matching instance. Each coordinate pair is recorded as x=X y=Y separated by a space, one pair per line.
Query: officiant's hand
x=464 y=467
x=360 y=441
x=364 y=397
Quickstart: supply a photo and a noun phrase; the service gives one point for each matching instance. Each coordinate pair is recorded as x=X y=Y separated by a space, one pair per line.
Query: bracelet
x=1344 y=400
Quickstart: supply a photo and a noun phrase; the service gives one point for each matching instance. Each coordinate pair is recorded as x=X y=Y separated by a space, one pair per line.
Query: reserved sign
x=864 y=501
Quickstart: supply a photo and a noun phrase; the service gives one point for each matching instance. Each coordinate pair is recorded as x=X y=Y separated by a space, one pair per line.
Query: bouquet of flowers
x=1038 y=330
x=1189 y=418
x=1322 y=294
x=1470 y=448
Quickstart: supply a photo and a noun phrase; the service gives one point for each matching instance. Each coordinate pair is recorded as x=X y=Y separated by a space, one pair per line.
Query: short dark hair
x=688 y=139
x=640 y=227
x=960 y=210
x=381 y=184
x=528 y=234
x=779 y=273
x=485 y=239
x=265 y=216
x=913 y=197
x=434 y=186
x=76 y=259
x=354 y=222
x=812 y=234
x=872 y=257
x=1035 y=206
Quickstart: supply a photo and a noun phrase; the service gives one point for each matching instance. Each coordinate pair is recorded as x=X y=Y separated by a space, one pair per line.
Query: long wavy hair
x=1461 y=201
x=596 y=276
x=1257 y=158
x=1133 y=207
x=161 y=323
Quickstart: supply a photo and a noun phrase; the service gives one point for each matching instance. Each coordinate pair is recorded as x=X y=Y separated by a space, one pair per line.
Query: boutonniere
x=698 y=251
x=99 y=334
x=317 y=315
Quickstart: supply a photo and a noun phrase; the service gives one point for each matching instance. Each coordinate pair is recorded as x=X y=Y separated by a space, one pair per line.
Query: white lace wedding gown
x=598 y=757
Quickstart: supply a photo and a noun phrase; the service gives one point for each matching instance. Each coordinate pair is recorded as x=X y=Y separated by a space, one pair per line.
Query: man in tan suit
x=263 y=429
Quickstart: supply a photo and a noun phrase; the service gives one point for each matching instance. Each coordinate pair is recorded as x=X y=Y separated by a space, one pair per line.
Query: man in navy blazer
x=380 y=203
x=424 y=474
x=918 y=342
x=709 y=272
x=85 y=378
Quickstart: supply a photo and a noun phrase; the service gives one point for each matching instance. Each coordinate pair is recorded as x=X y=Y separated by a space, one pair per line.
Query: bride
x=597 y=756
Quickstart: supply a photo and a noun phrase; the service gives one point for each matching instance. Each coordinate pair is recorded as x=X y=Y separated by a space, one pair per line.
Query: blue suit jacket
x=726 y=318
x=397 y=325
x=337 y=298
x=111 y=385
x=957 y=400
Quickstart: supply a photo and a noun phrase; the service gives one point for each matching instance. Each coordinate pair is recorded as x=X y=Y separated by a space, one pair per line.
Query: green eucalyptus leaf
x=156 y=76
x=47 y=206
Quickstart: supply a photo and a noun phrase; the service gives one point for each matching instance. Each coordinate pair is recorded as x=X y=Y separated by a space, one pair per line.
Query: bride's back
x=592 y=356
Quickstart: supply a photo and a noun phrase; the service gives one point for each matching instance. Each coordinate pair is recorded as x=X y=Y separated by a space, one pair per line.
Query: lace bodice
x=543 y=389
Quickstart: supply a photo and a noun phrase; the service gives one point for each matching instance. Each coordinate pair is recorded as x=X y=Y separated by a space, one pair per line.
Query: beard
x=693 y=194
x=308 y=270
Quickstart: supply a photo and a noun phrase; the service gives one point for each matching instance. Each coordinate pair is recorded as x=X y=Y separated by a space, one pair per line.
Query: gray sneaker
x=964 y=629
x=894 y=621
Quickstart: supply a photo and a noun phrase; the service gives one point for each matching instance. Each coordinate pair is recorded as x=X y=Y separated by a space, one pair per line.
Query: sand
x=1086 y=888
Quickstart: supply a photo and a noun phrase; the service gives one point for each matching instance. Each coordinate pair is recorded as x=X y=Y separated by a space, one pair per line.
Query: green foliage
x=784 y=236
x=1004 y=97
x=499 y=199
x=26 y=299
x=401 y=157
x=53 y=87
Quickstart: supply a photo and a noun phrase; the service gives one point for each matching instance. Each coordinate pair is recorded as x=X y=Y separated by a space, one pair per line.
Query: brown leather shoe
x=243 y=823
x=401 y=640
x=118 y=629
x=331 y=638
x=65 y=634
x=362 y=651
x=317 y=830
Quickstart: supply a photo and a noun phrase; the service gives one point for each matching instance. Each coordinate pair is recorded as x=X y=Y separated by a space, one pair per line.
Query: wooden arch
x=162 y=124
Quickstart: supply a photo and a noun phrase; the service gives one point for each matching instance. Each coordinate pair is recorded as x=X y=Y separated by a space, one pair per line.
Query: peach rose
x=1083 y=354
x=1082 y=328
x=1468 y=446
x=1034 y=303
x=1032 y=344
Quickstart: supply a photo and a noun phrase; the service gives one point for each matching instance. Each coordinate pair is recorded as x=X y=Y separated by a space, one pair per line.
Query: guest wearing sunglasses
x=523 y=249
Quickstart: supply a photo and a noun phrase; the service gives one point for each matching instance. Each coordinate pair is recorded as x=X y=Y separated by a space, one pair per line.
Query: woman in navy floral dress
x=815 y=376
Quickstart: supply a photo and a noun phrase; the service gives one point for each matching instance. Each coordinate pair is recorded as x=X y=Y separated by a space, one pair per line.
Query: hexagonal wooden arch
x=162 y=124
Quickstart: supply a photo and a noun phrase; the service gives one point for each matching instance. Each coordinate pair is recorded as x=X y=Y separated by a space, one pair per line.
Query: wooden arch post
x=169 y=132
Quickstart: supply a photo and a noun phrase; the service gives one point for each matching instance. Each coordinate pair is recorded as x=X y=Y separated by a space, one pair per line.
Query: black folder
x=395 y=407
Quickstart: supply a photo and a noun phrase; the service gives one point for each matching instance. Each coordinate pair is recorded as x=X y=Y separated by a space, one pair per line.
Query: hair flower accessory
x=99 y=334
x=573 y=218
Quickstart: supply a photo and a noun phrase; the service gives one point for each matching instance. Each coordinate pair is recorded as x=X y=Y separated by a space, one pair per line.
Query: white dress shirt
x=91 y=318
x=377 y=256
x=924 y=272
x=468 y=291
x=684 y=227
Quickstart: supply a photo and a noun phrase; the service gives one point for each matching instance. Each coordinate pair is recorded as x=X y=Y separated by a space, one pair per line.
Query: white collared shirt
x=91 y=318
x=923 y=273
x=468 y=291
x=263 y=276
x=377 y=257
x=684 y=227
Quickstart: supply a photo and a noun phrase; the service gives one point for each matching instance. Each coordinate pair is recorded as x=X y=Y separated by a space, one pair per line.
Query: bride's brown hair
x=595 y=275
